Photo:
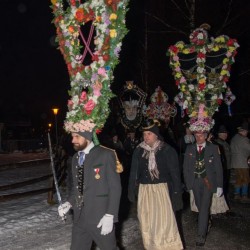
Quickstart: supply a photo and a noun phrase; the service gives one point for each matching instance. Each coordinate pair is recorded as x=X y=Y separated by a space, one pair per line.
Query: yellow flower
x=54 y=2
x=98 y=18
x=180 y=45
x=205 y=113
x=225 y=60
x=202 y=80
x=183 y=87
x=231 y=49
x=113 y=16
x=178 y=75
x=223 y=72
x=194 y=113
x=113 y=33
x=220 y=39
x=216 y=48
x=185 y=51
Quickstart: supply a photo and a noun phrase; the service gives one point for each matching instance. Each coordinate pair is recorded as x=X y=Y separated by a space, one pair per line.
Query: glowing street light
x=55 y=112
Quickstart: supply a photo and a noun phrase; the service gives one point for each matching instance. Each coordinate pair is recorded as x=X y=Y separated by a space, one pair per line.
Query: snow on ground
x=31 y=223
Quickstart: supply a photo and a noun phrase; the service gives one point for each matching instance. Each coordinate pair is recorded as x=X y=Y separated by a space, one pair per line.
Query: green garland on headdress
x=90 y=84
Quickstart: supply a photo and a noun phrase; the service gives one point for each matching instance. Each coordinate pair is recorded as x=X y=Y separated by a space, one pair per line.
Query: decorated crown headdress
x=133 y=97
x=201 y=70
x=90 y=83
x=159 y=108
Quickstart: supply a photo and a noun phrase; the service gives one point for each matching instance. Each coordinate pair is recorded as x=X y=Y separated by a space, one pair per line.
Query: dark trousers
x=84 y=234
x=203 y=199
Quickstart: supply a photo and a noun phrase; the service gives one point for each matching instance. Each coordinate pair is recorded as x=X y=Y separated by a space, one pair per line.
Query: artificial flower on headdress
x=159 y=108
x=90 y=81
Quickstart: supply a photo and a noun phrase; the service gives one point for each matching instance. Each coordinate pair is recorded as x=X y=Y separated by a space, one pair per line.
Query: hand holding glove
x=107 y=223
x=219 y=192
x=64 y=209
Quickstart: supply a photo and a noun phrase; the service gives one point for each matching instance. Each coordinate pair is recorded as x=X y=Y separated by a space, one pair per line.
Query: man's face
x=200 y=137
x=149 y=138
x=79 y=142
x=243 y=132
x=222 y=136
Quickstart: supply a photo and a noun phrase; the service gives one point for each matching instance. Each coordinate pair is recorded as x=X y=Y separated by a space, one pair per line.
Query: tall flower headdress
x=159 y=108
x=90 y=82
x=201 y=70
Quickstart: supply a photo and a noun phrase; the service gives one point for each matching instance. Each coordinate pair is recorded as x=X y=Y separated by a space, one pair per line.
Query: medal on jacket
x=97 y=176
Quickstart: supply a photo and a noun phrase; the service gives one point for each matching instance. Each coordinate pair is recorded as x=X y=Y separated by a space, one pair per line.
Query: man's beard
x=80 y=147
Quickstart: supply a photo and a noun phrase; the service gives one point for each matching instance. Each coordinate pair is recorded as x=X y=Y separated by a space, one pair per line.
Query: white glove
x=219 y=192
x=107 y=223
x=64 y=209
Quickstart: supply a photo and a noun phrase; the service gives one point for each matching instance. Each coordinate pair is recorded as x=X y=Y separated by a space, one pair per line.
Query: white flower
x=200 y=70
x=185 y=104
x=191 y=87
x=200 y=36
x=210 y=86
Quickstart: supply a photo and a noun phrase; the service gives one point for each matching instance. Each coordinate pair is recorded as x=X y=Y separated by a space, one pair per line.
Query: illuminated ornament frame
x=131 y=101
x=159 y=108
x=201 y=70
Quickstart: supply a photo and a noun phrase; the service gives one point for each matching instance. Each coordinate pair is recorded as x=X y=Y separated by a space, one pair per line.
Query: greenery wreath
x=201 y=46
x=90 y=84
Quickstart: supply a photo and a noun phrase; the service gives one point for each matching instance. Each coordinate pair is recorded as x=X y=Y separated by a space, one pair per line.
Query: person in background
x=155 y=168
x=203 y=175
x=240 y=149
x=95 y=194
x=225 y=153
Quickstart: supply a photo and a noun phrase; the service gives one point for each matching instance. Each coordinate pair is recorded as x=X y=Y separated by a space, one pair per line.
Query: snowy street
x=31 y=223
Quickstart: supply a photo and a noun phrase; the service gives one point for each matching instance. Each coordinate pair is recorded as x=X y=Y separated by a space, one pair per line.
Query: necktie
x=200 y=149
x=81 y=158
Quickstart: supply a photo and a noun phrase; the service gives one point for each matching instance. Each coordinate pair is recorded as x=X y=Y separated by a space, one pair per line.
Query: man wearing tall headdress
x=95 y=194
x=203 y=175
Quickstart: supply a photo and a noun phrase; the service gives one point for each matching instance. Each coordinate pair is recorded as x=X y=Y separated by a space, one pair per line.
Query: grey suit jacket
x=100 y=195
x=212 y=164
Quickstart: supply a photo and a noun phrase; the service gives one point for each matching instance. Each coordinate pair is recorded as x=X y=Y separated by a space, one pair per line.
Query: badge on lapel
x=97 y=175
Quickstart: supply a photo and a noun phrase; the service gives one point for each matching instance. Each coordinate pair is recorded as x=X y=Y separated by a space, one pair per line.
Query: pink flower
x=83 y=97
x=89 y=106
x=102 y=71
x=70 y=104
x=96 y=89
x=182 y=80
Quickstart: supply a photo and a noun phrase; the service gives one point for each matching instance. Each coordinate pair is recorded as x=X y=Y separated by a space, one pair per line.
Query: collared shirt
x=203 y=146
x=88 y=148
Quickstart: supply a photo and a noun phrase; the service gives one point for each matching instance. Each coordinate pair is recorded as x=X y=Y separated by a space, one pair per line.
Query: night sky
x=34 y=76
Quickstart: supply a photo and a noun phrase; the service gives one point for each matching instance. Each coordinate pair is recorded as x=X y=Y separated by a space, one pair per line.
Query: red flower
x=219 y=101
x=89 y=106
x=230 y=42
x=73 y=2
x=174 y=49
x=95 y=58
x=201 y=86
x=105 y=57
x=79 y=15
x=201 y=55
x=98 y=131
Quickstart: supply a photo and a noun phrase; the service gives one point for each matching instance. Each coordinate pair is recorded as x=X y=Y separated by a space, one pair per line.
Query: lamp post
x=55 y=112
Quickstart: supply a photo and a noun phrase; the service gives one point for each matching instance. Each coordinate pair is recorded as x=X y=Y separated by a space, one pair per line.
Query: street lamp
x=55 y=111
